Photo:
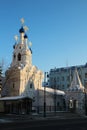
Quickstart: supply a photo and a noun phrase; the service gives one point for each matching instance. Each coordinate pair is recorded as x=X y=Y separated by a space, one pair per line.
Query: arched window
x=31 y=85
x=19 y=57
x=14 y=56
x=13 y=85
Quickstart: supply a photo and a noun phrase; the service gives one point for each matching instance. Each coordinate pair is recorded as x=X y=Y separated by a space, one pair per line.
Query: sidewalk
x=8 y=118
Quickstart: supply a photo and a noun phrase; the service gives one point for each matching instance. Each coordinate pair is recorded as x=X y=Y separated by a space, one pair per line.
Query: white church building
x=22 y=90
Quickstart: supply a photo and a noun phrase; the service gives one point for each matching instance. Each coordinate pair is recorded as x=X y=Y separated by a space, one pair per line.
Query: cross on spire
x=22 y=21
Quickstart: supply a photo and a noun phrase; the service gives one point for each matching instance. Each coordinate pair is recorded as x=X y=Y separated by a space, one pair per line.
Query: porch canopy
x=17 y=104
x=14 y=98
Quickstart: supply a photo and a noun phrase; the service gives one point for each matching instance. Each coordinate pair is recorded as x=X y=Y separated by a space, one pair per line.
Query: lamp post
x=38 y=98
x=55 y=96
x=45 y=83
x=45 y=94
x=85 y=104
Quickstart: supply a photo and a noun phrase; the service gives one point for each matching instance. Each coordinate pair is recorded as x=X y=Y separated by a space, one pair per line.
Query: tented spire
x=76 y=82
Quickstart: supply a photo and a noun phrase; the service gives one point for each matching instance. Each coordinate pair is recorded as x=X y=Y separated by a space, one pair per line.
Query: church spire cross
x=26 y=28
x=30 y=44
x=16 y=38
x=22 y=21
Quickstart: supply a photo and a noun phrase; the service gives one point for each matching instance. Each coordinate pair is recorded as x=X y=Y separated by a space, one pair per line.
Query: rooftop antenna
x=70 y=72
x=67 y=63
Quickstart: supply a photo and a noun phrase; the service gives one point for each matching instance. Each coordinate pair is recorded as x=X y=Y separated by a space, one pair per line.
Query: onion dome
x=21 y=30
x=30 y=50
x=14 y=46
x=25 y=36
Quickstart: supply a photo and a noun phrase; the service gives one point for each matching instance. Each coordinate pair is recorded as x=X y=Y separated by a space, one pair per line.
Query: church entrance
x=72 y=105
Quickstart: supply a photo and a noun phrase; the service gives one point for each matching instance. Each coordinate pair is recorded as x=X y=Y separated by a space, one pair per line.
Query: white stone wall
x=25 y=79
x=79 y=97
x=49 y=100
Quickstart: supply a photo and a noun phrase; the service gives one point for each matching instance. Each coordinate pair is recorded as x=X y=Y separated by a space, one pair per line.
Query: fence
x=39 y=109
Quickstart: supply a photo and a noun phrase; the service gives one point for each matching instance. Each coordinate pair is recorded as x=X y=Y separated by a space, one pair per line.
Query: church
x=22 y=89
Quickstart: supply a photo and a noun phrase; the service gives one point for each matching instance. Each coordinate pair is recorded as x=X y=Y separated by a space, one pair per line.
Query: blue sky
x=57 y=30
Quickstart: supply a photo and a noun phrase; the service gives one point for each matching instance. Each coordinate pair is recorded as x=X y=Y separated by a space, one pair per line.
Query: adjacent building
x=76 y=95
x=61 y=78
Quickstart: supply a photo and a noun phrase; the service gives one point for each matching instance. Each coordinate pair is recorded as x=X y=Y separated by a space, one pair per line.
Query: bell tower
x=22 y=54
x=22 y=78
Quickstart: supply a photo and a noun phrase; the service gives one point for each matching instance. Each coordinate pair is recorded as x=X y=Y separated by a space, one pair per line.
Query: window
x=62 y=78
x=30 y=85
x=51 y=79
x=14 y=56
x=20 y=47
x=13 y=85
x=63 y=86
x=57 y=79
x=19 y=57
x=85 y=75
x=80 y=77
x=54 y=79
x=58 y=86
x=68 y=78
x=85 y=84
x=68 y=85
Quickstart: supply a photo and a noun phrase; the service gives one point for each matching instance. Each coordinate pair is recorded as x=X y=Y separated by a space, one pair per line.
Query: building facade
x=61 y=78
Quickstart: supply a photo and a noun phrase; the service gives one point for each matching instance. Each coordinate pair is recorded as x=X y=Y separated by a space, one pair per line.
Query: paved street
x=64 y=124
x=60 y=121
x=58 y=115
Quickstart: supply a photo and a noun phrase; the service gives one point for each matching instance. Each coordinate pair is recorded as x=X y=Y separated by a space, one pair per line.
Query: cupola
x=21 y=31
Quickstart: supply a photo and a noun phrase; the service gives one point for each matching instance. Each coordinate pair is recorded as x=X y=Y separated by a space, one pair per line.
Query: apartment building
x=61 y=78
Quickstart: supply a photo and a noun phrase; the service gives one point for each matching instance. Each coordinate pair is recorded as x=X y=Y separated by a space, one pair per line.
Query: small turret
x=25 y=38
x=14 y=46
x=76 y=84
x=30 y=50
x=21 y=31
x=22 y=53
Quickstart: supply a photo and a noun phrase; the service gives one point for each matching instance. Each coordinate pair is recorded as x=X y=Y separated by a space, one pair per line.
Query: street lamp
x=45 y=84
x=55 y=96
x=85 y=103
